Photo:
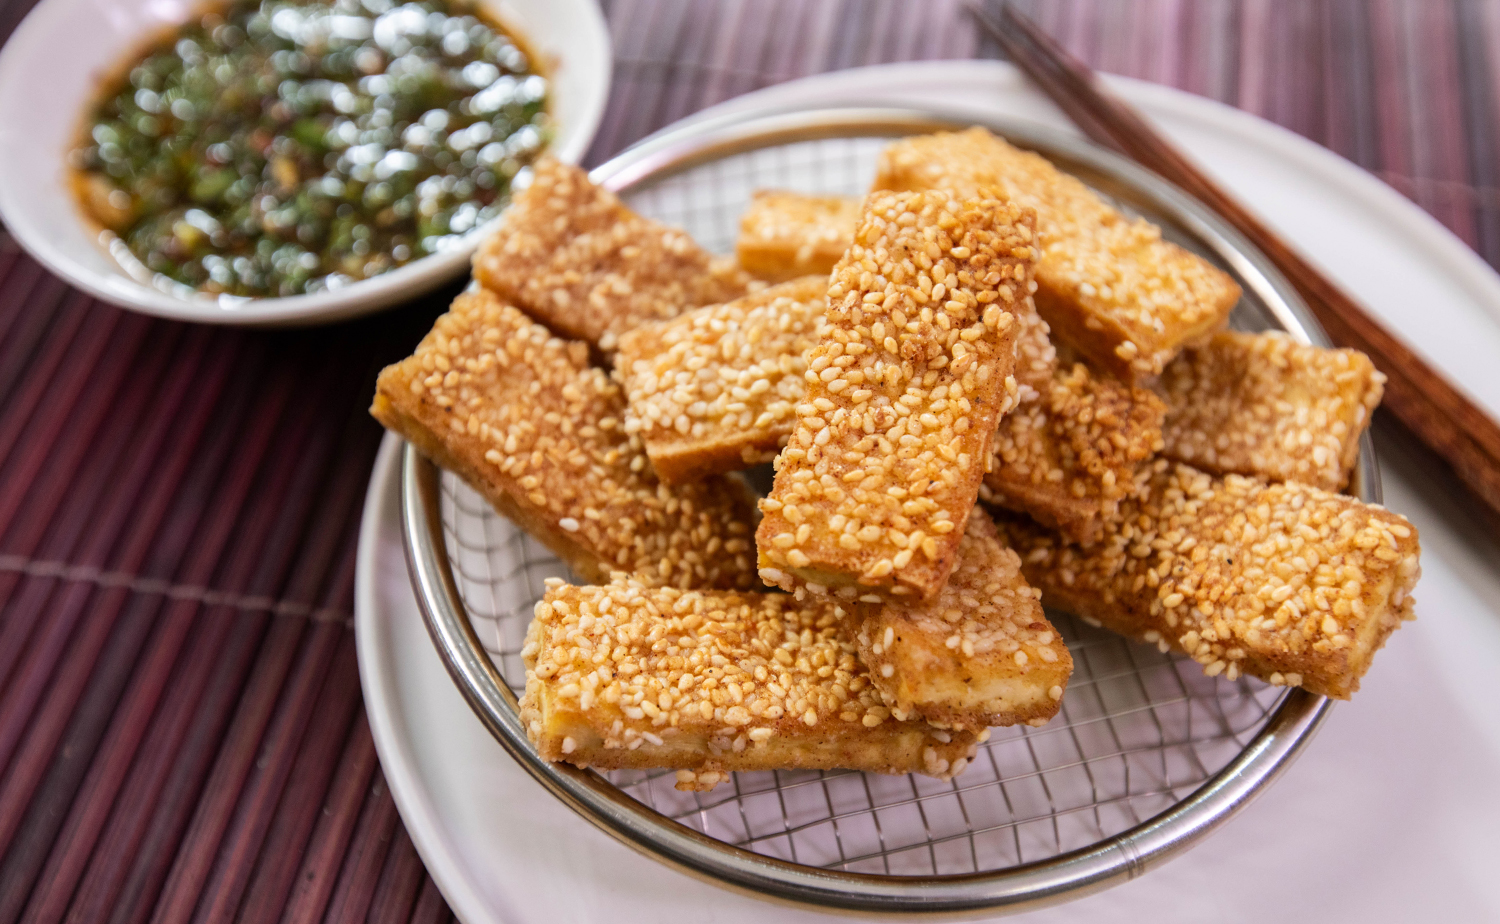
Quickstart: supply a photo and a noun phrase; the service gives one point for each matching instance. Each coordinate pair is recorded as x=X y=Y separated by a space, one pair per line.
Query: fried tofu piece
x=1070 y=452
x=572 y=256
x=1285 y=582
x=1264 y=404
x=714 y=390
x=981 y=653
x=1066 y=455
x=709 y=683
x=691 y=371
x=903 y=393
x=1108 y=284
x=522 y=417
x=784 y=235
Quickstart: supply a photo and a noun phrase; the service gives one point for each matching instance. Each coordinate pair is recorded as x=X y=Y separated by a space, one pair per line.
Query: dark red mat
x=181 y=732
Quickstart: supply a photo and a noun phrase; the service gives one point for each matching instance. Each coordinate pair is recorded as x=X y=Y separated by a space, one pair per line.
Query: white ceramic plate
x=1386 y=818
x=50 y=71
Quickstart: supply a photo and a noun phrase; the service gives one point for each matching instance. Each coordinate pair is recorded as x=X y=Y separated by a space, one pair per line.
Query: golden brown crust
x=572 y=256
x=712 y=682
x=981 y=653
x=1263 y=404
x=903 y=394
x=1068 y=455
x=1107 y=284
x=1285 y=582
x=521 y=416
x=714 y=390
x=784 y=235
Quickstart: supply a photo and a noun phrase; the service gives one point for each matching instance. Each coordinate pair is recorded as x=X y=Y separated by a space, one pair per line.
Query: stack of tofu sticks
x=983 y=389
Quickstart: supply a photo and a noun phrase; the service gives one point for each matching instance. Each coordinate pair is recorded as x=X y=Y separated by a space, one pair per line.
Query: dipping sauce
x=275 y=148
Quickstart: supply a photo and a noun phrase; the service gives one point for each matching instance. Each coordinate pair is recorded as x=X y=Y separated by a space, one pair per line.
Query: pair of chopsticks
x=1438 y=415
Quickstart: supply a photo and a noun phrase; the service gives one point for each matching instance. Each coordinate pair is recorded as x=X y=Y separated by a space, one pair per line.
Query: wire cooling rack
x=1137 y=731
x=1145 y=755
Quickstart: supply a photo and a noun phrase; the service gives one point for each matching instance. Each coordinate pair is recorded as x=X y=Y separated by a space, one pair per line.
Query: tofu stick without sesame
x=521 y=416
x=904 y=391
x=981 y=653
x=709 y=683
x=1263 y=404
x=572 y=256
x=1108 y=284
x=1285 y=582
x=714 y=390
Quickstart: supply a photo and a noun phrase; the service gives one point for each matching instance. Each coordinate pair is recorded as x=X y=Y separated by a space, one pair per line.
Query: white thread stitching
x=88 y=574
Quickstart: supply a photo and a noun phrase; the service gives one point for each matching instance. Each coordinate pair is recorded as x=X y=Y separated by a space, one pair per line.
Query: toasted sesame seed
x=1069 y=452
x=571 y=255
x=744 y=668
x=903 y=430
x=715 y=389
x=555 y=458
x=1242 y=570
x=1108 y=283
x=784 y=235
x=952 y=660
x=1263 y=404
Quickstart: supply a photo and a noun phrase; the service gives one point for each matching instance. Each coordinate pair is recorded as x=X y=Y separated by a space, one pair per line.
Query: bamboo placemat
x=181 y=733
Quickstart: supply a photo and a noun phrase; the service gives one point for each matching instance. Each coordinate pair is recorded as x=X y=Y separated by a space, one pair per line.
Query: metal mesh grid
x=1138 y=729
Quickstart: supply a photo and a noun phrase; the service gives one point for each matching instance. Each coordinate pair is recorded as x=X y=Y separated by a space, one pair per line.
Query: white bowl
x=50 y=73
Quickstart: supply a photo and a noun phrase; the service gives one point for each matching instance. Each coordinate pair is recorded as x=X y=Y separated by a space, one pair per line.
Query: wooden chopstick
x=1437 y=414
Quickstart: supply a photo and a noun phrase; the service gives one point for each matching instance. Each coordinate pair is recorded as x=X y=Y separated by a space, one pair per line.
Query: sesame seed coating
x=981 y=653
x=572 y=256
x=1036 y=356
x=715 y=390
x=1285 y=582
x=1065 y=455
x=522 y=417
x=1069 y=453
x=1072 y=447
x=784 y=235
x=1263 y=404
x=1108 y=284
x=711 y=682
x=903 y=392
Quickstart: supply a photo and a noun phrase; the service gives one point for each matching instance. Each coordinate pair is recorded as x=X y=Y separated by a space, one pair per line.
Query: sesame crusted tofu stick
x=1066 y=455
x=709 y=683
x=982 y=653
x=521 y=416
x=784 y=235
x=1285 y=582
x=904 y=390
x=1069 y=453
x=714 y=390
x=1263 y=404
x=572 y=256
x=1108 y=284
